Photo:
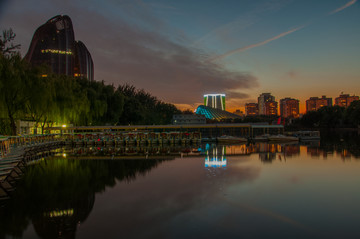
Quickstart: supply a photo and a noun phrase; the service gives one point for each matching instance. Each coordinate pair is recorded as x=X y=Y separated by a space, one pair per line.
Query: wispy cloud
x=226 y=31
x=255 y=45
x=352 y=2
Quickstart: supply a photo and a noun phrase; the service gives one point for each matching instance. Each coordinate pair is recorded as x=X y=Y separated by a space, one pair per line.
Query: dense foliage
x=328 y=117
x=331 y=117
x=34 y=93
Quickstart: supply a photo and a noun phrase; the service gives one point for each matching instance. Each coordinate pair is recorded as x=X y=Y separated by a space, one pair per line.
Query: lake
x=306 y=190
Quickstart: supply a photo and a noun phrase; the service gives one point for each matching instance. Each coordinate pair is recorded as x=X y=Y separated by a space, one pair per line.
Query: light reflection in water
x=58 y=194
x=216 y=157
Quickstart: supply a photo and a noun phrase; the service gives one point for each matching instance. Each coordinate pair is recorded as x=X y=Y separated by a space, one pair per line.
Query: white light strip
x=214 y=95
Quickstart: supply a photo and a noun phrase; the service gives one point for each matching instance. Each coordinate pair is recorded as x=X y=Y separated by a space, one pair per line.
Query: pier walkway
x=16 y=152
x=187 y=131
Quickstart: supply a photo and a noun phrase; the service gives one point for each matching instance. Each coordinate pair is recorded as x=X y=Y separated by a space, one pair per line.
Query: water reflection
x=346 y=144
x=215 y=157
x=57 y=195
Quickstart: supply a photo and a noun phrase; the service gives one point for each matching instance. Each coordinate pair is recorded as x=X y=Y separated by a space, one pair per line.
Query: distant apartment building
x=251 y=109
x=289 y=108
x=216 y=101
x=345 y=100
x=271 y=108
x=315 y=103
x=239 y=112
x=267 y=104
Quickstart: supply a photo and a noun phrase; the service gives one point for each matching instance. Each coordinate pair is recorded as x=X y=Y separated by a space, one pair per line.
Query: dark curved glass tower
x=54 y=44
x=84 y=66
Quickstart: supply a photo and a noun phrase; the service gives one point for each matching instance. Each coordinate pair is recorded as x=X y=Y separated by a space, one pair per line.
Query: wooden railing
x=4 y=146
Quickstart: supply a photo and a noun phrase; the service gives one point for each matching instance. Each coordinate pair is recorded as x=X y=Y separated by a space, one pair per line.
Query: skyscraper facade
x=84 y=66
x=315 y=103
x=216 y=101
x=54 y=44
x=345 y=100
x=266 y=104
x=289 y=108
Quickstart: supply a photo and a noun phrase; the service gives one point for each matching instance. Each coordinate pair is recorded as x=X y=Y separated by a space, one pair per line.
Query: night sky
x=181 y=50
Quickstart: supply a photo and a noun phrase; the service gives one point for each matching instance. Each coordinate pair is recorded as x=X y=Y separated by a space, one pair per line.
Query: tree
x=40 y=104
x=331 y=117
x=14 y=72
x=352 y=113
x=7 y=46
x=187 y=112
x=311 y=119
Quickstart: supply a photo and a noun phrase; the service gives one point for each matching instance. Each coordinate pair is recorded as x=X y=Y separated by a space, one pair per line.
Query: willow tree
x=12 y=72
x=13 y=75
x=71 y=100
x=40 y=104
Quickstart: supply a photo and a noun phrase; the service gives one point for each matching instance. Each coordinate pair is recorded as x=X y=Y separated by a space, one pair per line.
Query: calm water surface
x=254 y=191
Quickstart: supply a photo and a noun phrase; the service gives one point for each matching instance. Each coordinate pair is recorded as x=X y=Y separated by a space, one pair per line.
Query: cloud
x=216 y=58
x=290 y=75
x=238 y=95
x=225 y=32
x=352 y=2
x=149 y=60
x=135 y=51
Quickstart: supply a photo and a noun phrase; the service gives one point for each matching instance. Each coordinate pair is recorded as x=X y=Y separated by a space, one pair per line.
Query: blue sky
x=180 y=50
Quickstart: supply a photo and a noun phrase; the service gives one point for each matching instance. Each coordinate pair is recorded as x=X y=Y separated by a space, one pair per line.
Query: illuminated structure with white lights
x=216 y=101
x=54 y=44
x=215 y=114
x=216 y=157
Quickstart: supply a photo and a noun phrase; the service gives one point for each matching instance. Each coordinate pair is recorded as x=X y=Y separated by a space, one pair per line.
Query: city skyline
x=179 y=51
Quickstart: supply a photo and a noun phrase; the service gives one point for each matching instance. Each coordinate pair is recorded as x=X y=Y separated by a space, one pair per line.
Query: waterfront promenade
x=16 y=152
x=247 y=130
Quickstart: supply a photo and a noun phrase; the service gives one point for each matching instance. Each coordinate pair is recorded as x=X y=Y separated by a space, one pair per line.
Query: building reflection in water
x=343 y=144
x=56 y=195
x=216 y=157
x=63 y=222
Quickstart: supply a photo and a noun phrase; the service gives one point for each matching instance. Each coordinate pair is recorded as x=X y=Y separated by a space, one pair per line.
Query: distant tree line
x=326 y=117
x=36 y=94
x=331 y=117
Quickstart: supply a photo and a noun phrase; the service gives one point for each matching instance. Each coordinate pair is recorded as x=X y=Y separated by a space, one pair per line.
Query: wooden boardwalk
x=13 y=164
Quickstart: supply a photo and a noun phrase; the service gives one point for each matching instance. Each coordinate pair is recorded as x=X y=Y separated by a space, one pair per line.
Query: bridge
x=17 y=151
x=206 y=130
